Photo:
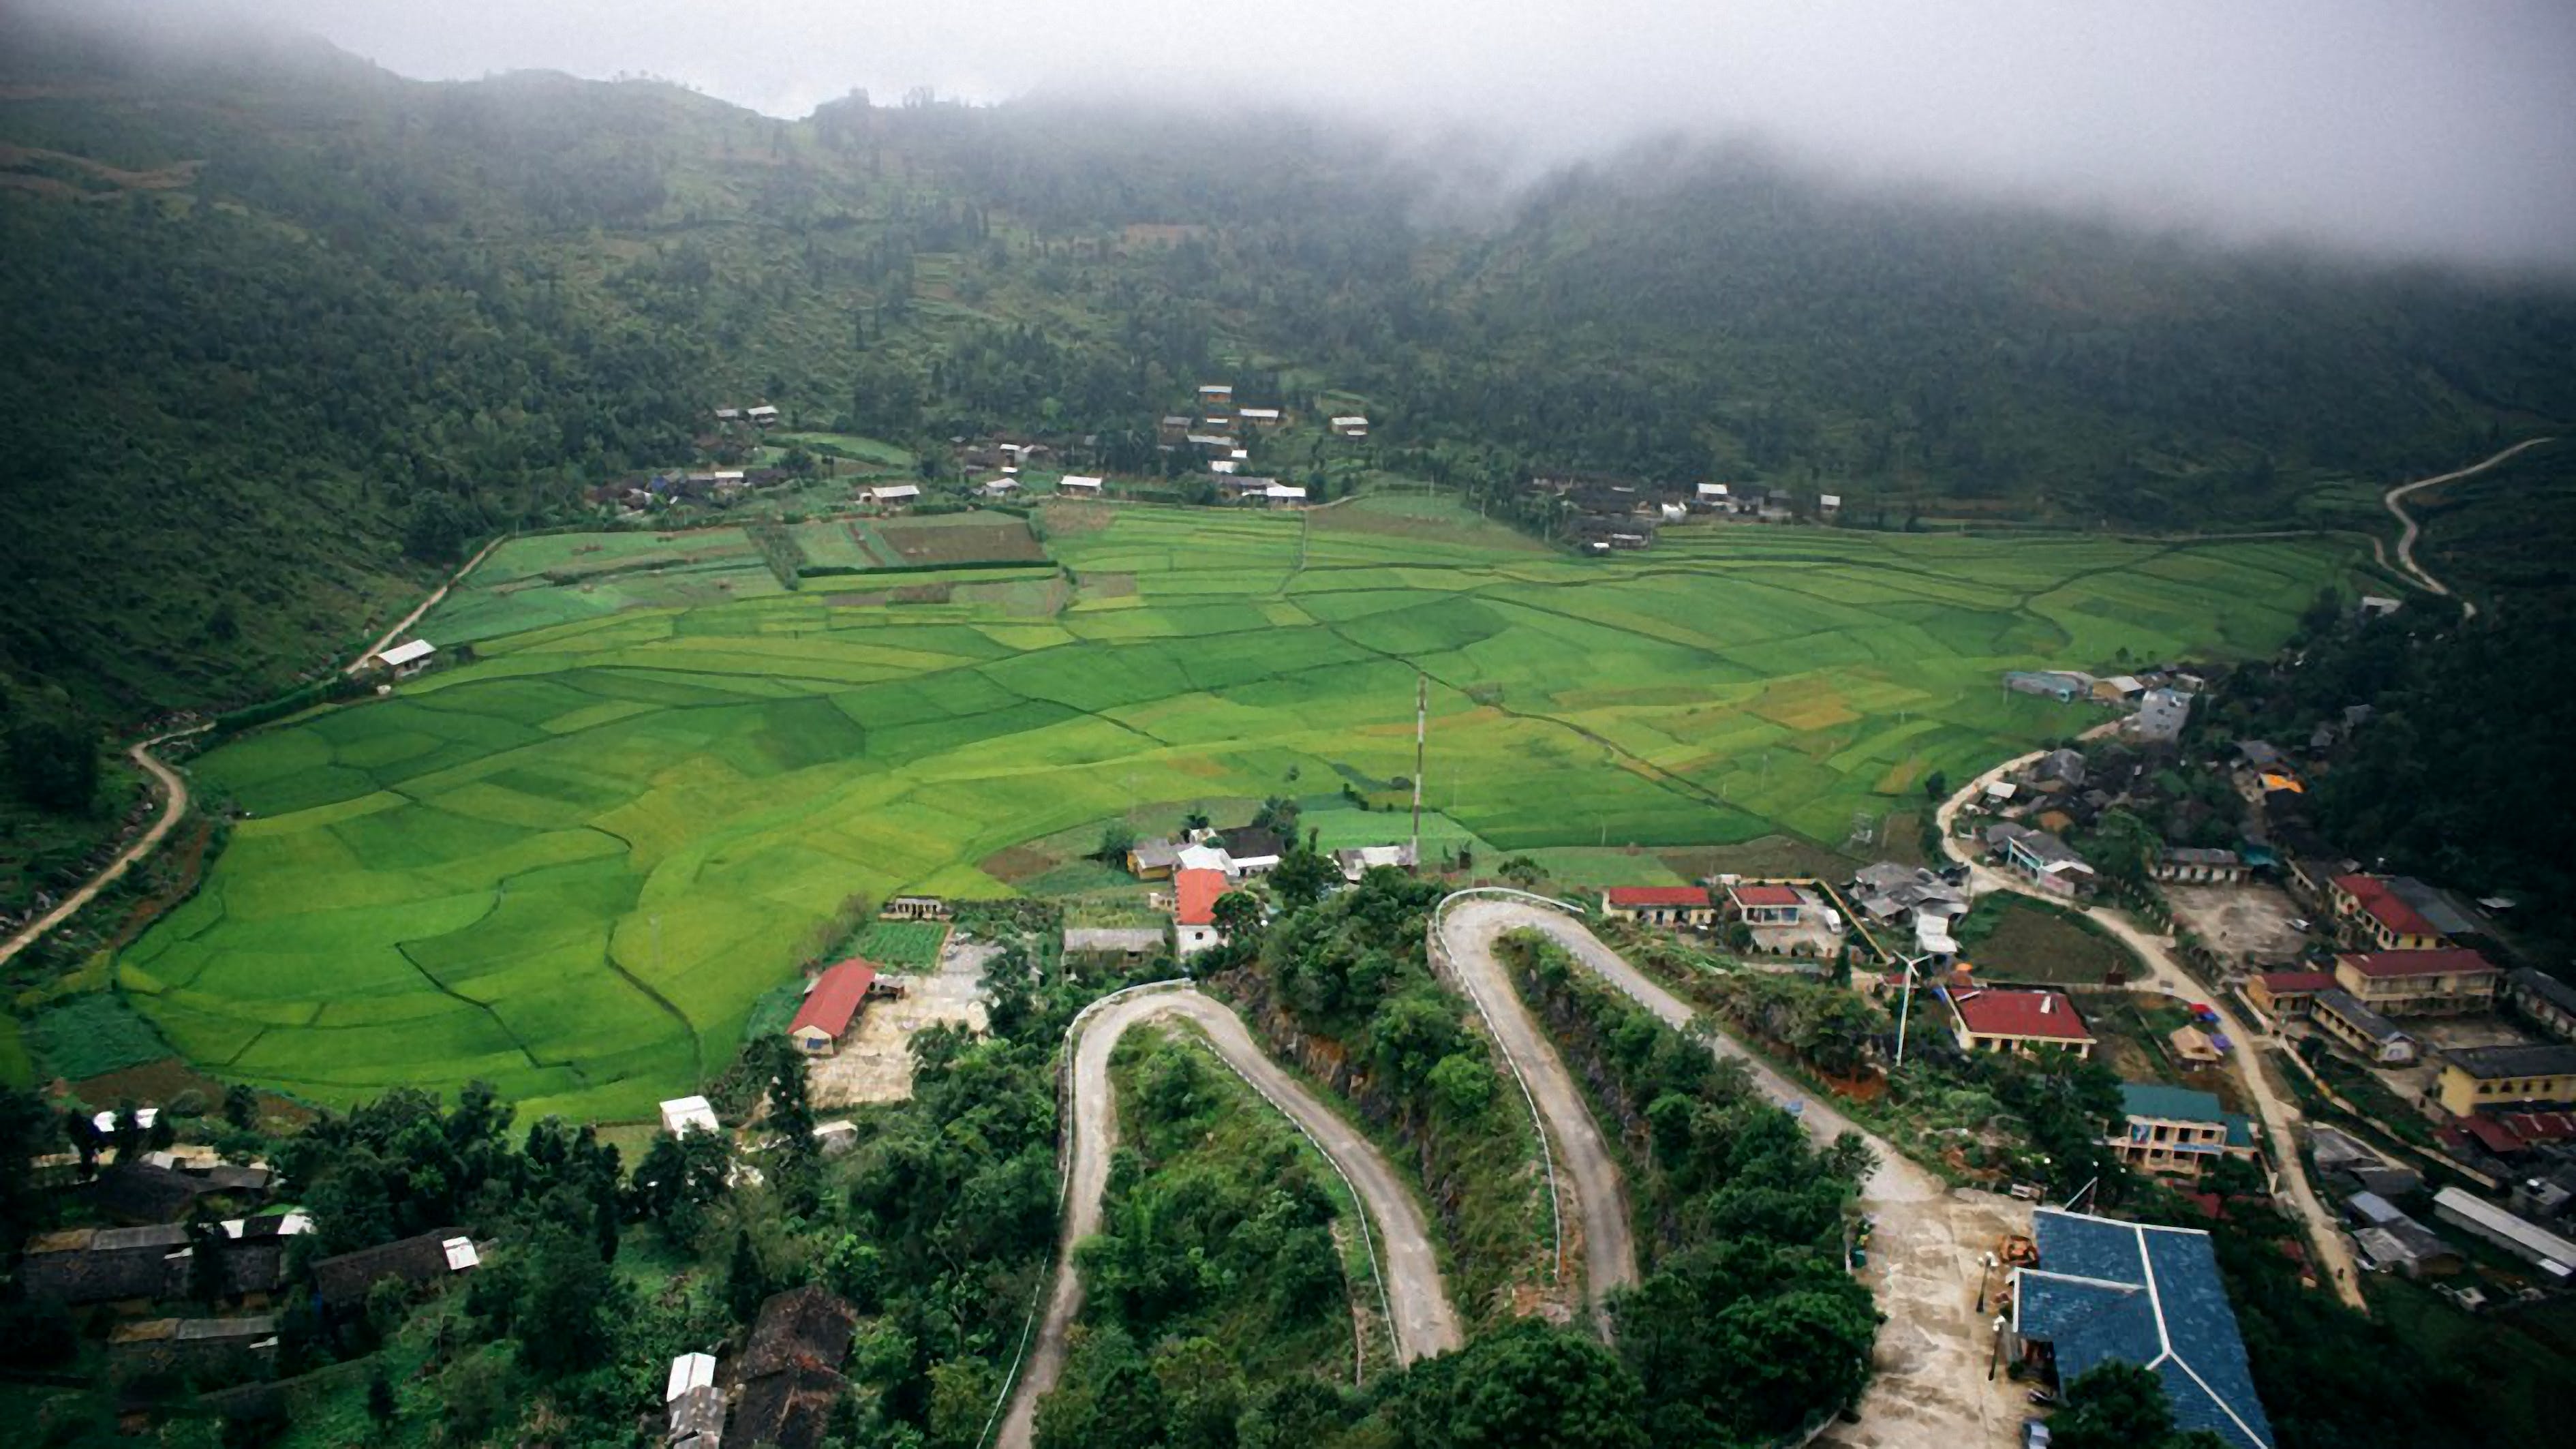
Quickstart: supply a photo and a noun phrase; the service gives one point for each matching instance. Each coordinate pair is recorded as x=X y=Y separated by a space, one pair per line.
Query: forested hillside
x=286 y=330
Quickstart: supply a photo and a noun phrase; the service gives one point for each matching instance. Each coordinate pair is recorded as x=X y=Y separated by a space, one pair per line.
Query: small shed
x=407 y=659
x=683 y=1115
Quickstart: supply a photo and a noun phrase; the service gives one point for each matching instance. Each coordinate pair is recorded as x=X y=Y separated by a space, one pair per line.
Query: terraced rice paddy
x=571 y=866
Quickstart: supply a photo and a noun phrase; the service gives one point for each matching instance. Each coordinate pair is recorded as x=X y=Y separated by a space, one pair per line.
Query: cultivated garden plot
x=572 y=865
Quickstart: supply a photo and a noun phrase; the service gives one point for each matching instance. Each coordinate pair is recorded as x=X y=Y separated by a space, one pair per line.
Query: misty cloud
x=2405 y=129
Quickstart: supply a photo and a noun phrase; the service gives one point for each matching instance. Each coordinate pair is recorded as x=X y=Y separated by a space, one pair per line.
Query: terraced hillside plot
x=572 y=865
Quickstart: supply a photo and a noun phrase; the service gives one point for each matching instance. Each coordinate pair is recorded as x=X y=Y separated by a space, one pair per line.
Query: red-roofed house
x=1764 y=905
x=831 y=1006
x=2375 y=915
x=2017 y=1021
x=2281 y=995
x=2397 y=983
x=1194 y=908
x=1660 y=905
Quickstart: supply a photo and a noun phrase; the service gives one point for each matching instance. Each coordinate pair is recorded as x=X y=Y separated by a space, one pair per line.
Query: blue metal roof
x=2146 y=1295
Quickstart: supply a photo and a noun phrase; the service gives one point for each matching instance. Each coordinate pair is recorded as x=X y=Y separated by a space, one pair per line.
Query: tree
x=28 y=1130
x=1303 y=874
x=206 y=1240
x=381 y=1406
x=1525 y=1386
x=55 y=760
x=1522 y=871
x=569 y=1304
x=1237 y=915
x=1936 y=787
x=1278 y=814
x=241 y=1107
x=1116 y=839
x=2117 y=1405
x=679 y=1178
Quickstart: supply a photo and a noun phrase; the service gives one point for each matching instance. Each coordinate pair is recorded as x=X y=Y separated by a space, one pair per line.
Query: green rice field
x=572 y=865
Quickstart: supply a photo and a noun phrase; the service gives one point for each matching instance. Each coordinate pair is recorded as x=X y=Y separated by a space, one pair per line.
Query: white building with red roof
x=1765 y=905
x=2017 y=1021
x=1194 y=894
x=832 y=1007
x=1660 y=905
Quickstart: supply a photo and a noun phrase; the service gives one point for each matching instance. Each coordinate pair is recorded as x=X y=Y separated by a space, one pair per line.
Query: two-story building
x=2496 y=1076
x=2014 y=1022
x=2178 y=1132
x=2376 y=917
x=2045 y=860
x=2419 y=983
x=2282 y=995
x=2341 y=1016
x=2546 y=1001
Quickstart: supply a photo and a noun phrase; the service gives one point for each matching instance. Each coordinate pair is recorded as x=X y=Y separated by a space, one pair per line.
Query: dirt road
x=2406 y=539
x=1930 y=1385
x=2165 y=973
x=398 y=630
x=174 y=803
x=1417 y=1300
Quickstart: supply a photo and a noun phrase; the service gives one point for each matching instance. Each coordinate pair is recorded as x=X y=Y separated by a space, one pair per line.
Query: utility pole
x=1421 y=730
x=1907 y=1009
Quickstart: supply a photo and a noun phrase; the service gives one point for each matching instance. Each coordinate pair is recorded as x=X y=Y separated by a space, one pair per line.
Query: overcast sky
x=2441 y=127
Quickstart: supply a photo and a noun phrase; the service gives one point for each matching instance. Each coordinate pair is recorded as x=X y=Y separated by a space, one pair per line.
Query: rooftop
x=2383 y=905
x=2545 y=986
x=407 y=653
x=1196 y=892
x=2493 y=1063
x=1764 y=895
x=2362 y=1019
x=835 y=998
x=2020 y=1013
x=2150 y=1296
x=1631 y=897
x=2282 y=982
x=2392 y=965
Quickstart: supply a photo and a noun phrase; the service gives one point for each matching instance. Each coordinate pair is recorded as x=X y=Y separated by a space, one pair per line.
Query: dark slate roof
x=138 y=1192
x=2146 y=1295
x=789 y=1409
x=2494 y=1063
x=2548 y=988
x=347 y=1277
x=800 y=1328
x=1246 y=842
x=94 y=1275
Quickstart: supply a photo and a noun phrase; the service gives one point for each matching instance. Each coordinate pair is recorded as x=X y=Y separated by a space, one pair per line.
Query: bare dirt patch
x=875 y=1064
x=960 y=541
x=2247 y=925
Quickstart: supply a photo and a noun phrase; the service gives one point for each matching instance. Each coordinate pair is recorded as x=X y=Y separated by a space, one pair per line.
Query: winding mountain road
x=1926 y=1270
x=174 y=804
x=1417 y=1301
x=2406 y=540
x=2165 y=973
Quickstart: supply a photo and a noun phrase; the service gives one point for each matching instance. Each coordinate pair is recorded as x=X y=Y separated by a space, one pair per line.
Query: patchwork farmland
x=570 y=866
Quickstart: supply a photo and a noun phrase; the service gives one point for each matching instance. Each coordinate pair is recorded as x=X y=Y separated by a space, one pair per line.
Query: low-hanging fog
x=2396 y=129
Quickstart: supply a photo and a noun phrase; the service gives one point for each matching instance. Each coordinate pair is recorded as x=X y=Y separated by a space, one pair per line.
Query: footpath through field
x=2164 y=972
x=1416 y=1298
x=1929 y=1385
x=2406 y=539
x=174 y=803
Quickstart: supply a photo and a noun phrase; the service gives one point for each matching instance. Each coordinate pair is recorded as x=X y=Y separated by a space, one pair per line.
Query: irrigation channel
x=1398 y=1237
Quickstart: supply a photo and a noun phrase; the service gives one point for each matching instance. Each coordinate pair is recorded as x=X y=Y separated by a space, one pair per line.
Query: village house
x=1126 y=946
x=2375 y=915
x=915 y=908
x=2179 y=1132
x=2501 y=1076
x=1173 y=427
x=2554 y=1255
x=2105 y=1291
x=1078 y=485
x=343 y=1282
x=692 y=1405
x=407 y=659
x=892 y=495
x=2283 y=995
x=684 y=1115
x=1765 y=905
x=832 y=1005
x=1829 y=504
x=1359 y=862
x=2385 y=1239
x=1258 y=417
x=1711 y=495
x=1215 y=395
x=2342 y=1017
x=1886 y=893
x=999 y=487
x=2419 y=983
x=2195 y=865
x=2544 y=1000
x=207 y=1350
x=1685 y=906
x=1351 y=425
x=2015 y=1022
x=1194 y=896
x=2162 y=712
x=762 y=416
x=789 y=1373
x=1153 y=859
x=2042 y=858
x=1250 y=850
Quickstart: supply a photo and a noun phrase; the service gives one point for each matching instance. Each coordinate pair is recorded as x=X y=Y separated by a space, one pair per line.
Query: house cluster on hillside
x=1221 y=435
x=780 y=1390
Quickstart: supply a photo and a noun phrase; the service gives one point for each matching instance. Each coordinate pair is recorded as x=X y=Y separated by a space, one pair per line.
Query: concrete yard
x=2247 y=925
x=875 y=1064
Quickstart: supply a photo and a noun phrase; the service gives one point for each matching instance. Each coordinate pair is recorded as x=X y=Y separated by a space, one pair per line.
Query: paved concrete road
x=1425 y=1324
x=1588 y=1187
x=174 y=803
x=1930 y=1385
x=2406 y=539
x=2164 y=972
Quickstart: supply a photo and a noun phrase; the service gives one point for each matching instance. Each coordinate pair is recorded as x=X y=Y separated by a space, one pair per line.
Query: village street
x=2164 y=972
x=1930 y=1384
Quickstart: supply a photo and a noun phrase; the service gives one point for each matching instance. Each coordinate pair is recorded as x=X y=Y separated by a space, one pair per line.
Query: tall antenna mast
x=1421 y=727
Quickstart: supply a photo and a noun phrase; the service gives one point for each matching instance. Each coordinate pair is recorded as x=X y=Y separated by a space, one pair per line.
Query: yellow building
x=2475 y=1077
x=2410 y=983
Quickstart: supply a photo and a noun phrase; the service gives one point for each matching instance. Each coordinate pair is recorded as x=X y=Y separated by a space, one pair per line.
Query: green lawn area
x=2013 y=938
x=573 y=865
